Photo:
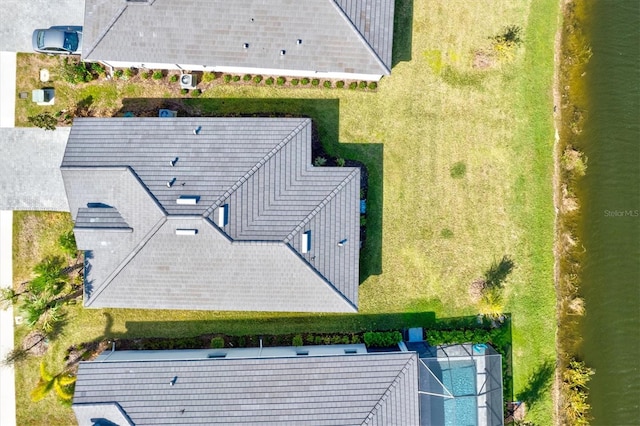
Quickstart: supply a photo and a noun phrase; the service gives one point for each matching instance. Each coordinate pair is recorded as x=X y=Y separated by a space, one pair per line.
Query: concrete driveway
x=30 y=177
x=20 y=18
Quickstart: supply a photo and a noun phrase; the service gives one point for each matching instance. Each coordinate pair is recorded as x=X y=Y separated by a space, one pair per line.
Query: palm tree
x=491 y=303
x=63 y=383
x=51 y=277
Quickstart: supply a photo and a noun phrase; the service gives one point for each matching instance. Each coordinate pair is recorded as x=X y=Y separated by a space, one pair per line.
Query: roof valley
x=255 y=168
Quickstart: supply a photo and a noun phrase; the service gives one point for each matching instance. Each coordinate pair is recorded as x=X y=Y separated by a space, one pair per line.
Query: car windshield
x=70 y=41
x=40 y=39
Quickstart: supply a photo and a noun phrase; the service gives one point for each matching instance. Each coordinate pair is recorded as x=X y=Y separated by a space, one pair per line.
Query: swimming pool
x=459 y=378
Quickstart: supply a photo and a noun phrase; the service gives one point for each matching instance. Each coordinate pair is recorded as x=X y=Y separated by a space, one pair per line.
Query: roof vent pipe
x=173 y=162
x=171 y=182
x=341 y=243
x=283 y=52
x=196 y=131
x=245 y=45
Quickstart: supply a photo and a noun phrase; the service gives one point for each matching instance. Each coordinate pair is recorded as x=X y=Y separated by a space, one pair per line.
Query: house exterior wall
x=246 y=70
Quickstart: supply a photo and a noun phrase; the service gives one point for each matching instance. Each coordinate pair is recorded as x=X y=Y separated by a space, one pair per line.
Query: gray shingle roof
x=353 y=36
x=366 y=389
x=116 y=172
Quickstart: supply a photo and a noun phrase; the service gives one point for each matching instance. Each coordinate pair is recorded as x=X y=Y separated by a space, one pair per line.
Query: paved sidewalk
x=7 y=89
x=7 y=374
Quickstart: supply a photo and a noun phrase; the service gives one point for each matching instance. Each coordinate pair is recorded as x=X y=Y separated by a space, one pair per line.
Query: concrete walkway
x=7 y=89
x=7 y=374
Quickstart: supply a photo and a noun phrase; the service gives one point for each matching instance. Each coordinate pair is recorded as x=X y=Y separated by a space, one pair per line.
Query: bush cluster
x=446 y=337
x=383 y=339
x=76 y=72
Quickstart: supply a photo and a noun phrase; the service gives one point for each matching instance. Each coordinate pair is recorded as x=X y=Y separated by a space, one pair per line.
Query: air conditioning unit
x=188 y=81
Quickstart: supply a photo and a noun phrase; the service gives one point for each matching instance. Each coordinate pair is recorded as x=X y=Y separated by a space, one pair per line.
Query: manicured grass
x=434 y=112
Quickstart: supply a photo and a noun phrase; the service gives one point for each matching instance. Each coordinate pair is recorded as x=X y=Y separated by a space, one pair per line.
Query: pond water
x=610 y=200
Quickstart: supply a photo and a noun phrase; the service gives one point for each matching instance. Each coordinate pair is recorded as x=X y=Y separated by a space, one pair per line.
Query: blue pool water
x=459 y=377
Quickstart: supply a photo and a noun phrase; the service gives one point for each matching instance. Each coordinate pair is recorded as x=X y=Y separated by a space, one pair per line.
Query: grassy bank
x=433 y=227
x=572 y=376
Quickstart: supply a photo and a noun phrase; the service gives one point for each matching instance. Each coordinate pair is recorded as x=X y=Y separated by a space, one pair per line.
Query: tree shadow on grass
x=498 y=272
x=325 y=114
x=538 y=383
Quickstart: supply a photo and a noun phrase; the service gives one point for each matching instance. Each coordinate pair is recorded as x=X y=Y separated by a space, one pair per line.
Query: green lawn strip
x=533 y=300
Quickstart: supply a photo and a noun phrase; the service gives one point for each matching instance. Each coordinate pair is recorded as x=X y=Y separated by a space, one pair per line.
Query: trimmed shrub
x=315 y=82
x=227 y=78
x=196 y=92
x=236 y=78
x=353 y=85
x=45 y=121
x=305 y=81
x=319 y=161
x=173 y=78
x=257 y=79
x=383 y=339
x=76 y=72
x=297 y=340
x=128 y=73
x=217 y=343
x=183 y=91
x=327 y=84
x=157 y=75
x=362 y=85
x=340 y=162
x=145 y=75
x=281 y=81
x=208 y=77
x=340 y=84
x=118 y=74
x=246 y=77
x=269 y=81
x=97 y=68
x=373 y=85
x=295 y=82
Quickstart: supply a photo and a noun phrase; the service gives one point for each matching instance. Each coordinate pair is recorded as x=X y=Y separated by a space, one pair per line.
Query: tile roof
x=352 y=36
x=259 y=169
x=364 y=389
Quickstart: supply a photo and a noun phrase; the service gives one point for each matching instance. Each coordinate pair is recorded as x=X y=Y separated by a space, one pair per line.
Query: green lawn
x=429 y=235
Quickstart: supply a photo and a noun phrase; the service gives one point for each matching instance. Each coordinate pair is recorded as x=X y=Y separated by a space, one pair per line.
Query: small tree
x=63 y=383
x=45 y=121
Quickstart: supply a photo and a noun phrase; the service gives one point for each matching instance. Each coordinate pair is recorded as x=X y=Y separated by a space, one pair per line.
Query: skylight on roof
x=306 y=241
x=223 y=215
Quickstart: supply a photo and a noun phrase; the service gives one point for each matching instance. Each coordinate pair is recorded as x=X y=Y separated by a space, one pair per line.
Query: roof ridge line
x=256 y=167
x=142 y=242
x=387 y=392
x=321 y=205
x=106 y=30
x=128 y=258
x=360 y=35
